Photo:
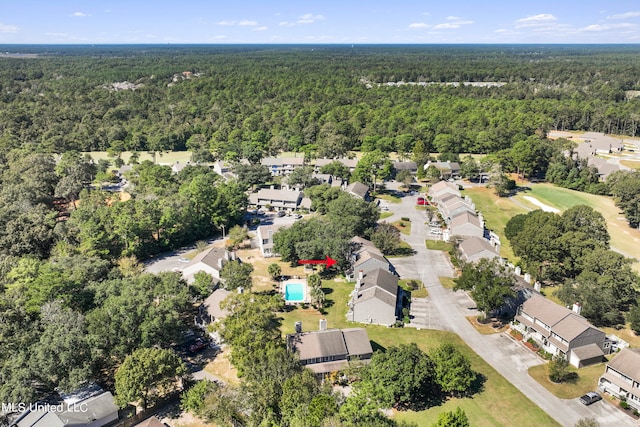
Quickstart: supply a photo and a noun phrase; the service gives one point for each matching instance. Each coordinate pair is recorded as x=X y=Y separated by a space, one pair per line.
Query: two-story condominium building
x=282 y=165
x=279 y=199
x=560 y=330
x=622 y=377
x=264 y=239
x=441 y=188
x=349 y=163
x=376 y=298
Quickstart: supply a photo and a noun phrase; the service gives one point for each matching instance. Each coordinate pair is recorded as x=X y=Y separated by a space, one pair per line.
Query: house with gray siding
x=376 y=298
x=561 y=331
x=621 y=377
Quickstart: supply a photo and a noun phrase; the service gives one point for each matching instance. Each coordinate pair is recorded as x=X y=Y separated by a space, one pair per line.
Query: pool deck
x=297 y=281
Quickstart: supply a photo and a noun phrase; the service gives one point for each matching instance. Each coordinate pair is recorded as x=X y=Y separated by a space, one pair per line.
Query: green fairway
x=498 y=404
x=623 y=238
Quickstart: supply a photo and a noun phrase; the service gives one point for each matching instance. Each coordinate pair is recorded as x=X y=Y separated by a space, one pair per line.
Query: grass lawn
x=167 y=158
x=485 y=328
x=447 y=282
x=498 y=404
x=222 y=368
x=633 y=164
x=403 y=226
x=421 y=292
x=439 y=245
x=262 y=281
x=497 y=211
x=405 y=247
x=623 y=238
x=388 y=197
x=587 y=380
x=384 y=215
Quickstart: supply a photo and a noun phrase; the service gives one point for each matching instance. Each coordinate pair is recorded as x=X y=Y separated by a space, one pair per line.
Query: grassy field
x=633 y=164
x=587 y=380
x=497 y=211
x=403 y=226
x=384 y=215
x=623 y=238
x=166 y=158
x=439 y=245
x=498 y=404
x=388 y=197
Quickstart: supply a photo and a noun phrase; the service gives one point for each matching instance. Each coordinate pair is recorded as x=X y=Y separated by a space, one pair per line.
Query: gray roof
x=97 y=407
x=332 y=342
x=465 y=217
x=410 y=166
x=627 y=362
x=604 y=167
x=443 y=187
x=357 y=342
x=473 y=245
x=382 y=279
x=368 y=254
x=282 y=161
x=150 y=422
x=560 y=319
x=358 y=189
x=272 y=194
x=350 y=163
x=588 y=351
x=212 y=304
x=209 y=257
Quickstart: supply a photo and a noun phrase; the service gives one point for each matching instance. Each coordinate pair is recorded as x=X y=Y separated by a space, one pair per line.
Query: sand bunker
x=541 y=205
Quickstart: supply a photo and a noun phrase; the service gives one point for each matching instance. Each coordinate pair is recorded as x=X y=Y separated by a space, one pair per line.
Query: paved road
x=448 y=310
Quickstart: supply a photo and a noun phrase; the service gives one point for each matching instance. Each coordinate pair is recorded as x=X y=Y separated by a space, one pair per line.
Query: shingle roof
x=411 y=166
x=350 y=163
x=382 y=279
x=357 y=341
x=209 y=257
x=473 y=245
x=627 y=362
x=588 y=351
x=272 y=194
x=368 y=254
x=311 y=345
x=359 y=189
x=465 y=217
x=212 y=303
x=150 y=422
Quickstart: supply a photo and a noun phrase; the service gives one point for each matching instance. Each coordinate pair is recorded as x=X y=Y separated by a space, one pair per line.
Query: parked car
x=590 y=398
x=280 y=214
x=297 y=216
x=198 y=345
x=436 y=231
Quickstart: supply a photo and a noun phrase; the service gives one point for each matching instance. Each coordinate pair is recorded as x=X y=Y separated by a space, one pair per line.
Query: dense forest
x=247 y=101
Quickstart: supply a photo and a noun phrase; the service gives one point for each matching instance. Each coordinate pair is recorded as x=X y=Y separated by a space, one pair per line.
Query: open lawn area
x=388 y=197
x=261 y=279
x=403 y=226
x=587 y=380
x=165 y=158
x=497 y=211
x=624 y=239
x=498 y=404
x=633 y=164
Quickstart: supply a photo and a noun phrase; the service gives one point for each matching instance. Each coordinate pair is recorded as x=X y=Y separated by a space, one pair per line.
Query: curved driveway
x=448 y=310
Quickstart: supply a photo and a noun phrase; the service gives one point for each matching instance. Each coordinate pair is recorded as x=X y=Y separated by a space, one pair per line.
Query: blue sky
x=320 y=21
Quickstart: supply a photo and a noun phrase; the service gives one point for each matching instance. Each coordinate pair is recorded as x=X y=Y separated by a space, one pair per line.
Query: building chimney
x=537 y=286
x=518 y=269
x=298 y=327
x=359 y=280
x=240 y=289
x=577 y=308
x=322 y=324
x=527 y=277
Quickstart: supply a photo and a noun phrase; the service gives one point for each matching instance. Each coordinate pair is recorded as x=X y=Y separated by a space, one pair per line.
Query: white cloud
x=419 y=25
x=452 y=18
x=247 y=23
x=227 y=23
x=309 y=18
x=260 y=28
x=606 y=27
x=446 y=26
x=536 y=20
x=7 y=29
x=625 y=15
x=79 y=14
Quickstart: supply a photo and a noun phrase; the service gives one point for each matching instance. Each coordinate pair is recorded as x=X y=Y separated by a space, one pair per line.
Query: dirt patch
x=262 y=281
x=491 y=327
x=222 y=368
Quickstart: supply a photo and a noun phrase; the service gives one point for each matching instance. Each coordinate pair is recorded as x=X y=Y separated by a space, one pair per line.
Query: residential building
x=151 y=422
x=466 y=224
x=210 y=311
x=604 y=167
x=621 y=377
x=210 y=261
x=282 y=165
x=264 y=239
x=451 y=205
x=472 y=249
x=376 y=298
x=359 y=190
x=87 y=407
x=561 y=331
x=177 y=167
x=350 y=163
x=447 y=169
x=441 y=188
x=327 y=351
x=366 y=257
x=409 y=166
x=279 y=199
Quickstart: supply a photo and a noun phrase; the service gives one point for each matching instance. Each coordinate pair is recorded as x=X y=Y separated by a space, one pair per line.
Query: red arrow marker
x=327 y=261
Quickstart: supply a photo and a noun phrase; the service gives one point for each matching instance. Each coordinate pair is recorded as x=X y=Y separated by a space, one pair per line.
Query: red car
x=200 y=344
x=422 y=201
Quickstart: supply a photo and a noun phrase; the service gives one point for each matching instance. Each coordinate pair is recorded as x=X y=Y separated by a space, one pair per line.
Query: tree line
x=254 y=101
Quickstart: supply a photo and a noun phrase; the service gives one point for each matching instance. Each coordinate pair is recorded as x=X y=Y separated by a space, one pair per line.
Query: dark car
x=590 y=398
x=198 y=345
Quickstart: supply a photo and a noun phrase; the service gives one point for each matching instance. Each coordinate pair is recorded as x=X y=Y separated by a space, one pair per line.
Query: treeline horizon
x=256 y=100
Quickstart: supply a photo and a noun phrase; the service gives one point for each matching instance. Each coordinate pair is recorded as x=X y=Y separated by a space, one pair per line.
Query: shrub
x=624 y=405
x=404 y=218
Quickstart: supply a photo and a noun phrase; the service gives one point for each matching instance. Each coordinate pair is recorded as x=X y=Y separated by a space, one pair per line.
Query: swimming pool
x=294 y=292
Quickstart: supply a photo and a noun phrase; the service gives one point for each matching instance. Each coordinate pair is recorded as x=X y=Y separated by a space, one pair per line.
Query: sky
x=319 y=21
